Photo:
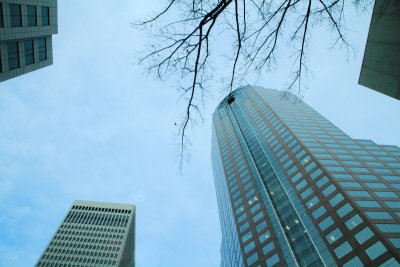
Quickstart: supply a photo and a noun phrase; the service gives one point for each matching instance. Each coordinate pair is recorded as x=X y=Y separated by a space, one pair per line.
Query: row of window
x=82 y=253
x=14 y=55
x=75 y=207
x=31 y=13
x=66 y=259
x=91 y=228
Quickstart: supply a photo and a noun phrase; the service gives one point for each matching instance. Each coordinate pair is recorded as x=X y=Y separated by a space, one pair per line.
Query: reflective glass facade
x=294 y=190
x=93 y=234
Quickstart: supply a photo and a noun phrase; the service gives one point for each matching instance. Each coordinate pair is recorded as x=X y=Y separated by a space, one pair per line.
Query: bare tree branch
x=259 y=28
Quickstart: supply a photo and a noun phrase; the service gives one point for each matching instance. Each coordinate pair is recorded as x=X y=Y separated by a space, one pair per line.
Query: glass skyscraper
x=294 y=190
x=93 y=234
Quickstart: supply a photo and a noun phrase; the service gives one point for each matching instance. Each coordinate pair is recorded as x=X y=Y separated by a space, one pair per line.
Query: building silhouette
x=26 y=28
x=93 y=234
x=294 y=190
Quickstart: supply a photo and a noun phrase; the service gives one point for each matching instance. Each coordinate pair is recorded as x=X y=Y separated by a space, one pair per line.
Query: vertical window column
x=42 y=49
x=45 y=15
x=29 y=54
x=32 y=18
x=15 y=15
x=13 y=55
x=1 y=16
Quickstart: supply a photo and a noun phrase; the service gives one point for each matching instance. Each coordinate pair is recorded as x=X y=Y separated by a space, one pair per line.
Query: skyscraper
x=26 y=27
x=294 y=190
x=93 y=234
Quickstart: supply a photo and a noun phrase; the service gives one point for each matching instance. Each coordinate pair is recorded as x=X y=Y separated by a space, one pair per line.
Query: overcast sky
x=93 y=127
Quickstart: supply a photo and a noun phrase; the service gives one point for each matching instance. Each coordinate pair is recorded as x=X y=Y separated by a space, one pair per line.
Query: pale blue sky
x=93 y=127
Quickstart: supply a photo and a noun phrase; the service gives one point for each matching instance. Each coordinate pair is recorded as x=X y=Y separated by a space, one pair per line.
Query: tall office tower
x=26 y=27
x=93 y=234
x=294 y=190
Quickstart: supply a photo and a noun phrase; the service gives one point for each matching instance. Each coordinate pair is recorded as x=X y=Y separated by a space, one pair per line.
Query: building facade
x=26 y=29
x=380 y=69
x=294 y=190
x=93 y=234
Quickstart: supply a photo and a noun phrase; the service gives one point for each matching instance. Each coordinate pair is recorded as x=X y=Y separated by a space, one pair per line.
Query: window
x=336 y=199
x=395 y=242
x=358 y=193
x=272 y=260
x=261 y=226
x=31 y=12
x=389 y=228
x=264 y=236
x=258 y=216
x=368 y=204
x=354 y=262
x=342 y=176
x=343 y=211
x=15 y=15
x=322 y=181
x=296 y=177
x=28 y=47
x=252 y=191
x=391 y=177
x=375 y=250
x=244 y=227
x=359 y=169
x=349 y=184
x=323 y=225
x=306 y=193
x=312 y=202
x=351 y=162
x=268 y=248
x=319 y=212
x=13 y=55
x=42 y=49
x=45 y=15
x=249 y=247
x=364 y=235
x=386 y=194
x=1 y=19
x=255 y=208
x=252 y=259
x=300 y=185
x=247 y=236
x=353 y=222
x=376 y=185
x=315 y=174
x=343 y=249
x=379 y=215
x=334 y=235
x=367 y=177
x=242 y=218
x=393 y=204
x=327 y=191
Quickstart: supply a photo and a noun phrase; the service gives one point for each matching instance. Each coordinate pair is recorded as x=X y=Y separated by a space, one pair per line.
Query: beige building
x=93 y=234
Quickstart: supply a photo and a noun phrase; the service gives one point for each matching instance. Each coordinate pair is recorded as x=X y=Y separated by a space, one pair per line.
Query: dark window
x=15 y=14
x=1 y=15
x=13 y=55
x=42 y=49
x=45 y=16
x=31 y=11
x=28 y=47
